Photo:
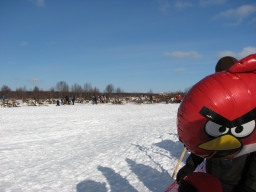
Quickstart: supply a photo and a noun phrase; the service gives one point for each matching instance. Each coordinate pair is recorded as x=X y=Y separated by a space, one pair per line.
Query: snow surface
x=88 y=147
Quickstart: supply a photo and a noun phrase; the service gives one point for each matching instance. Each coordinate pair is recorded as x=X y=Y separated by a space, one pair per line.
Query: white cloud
x=51 y=43
x=179 y=70
x=239 y=14
x=183 y=4
x=11 y=63
x=35 y=79
x=24 y=43
x=247 y=51
x=211 y=2
x=164 y=5
x=181 y=54
x=239 y=55
x=252 y=21
x=39 y=3
x=226 y=53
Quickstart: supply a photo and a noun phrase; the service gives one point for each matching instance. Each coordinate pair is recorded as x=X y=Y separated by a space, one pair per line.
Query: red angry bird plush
x=216 y=118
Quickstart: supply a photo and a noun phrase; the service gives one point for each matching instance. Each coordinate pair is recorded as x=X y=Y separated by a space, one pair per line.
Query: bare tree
x=5 y=90
x=62 y=87
x=109 y=89
x=76 y=90
x=52 y=90
x=21 y=93
x=36 y=89
x=87 y=87
x=150 y=91
x=119 y=90
x=87 y=90
x=36 y=92
x=95 y=91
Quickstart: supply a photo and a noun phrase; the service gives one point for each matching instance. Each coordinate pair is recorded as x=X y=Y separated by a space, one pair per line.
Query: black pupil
x=222 y=129
x=239 y=129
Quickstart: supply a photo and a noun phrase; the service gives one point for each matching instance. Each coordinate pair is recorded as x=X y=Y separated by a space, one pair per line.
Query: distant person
x=151 y=99
x=58 y=102
x=67 y=100
x=73 y=100
x=167 y=100
x=94 y=100
x=179 y=99
x=3 y=101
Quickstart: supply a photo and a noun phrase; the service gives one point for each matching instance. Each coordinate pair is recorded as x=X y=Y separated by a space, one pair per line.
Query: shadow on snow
x=153 y=179
x=91 y=186
x=175 y=148
x=117 y=183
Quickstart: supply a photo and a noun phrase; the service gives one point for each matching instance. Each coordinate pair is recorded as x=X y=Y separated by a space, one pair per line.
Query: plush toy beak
x=224 y=146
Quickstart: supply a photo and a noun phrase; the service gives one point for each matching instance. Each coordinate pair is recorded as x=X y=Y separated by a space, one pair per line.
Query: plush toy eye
x=215 y=130
x=243 y=130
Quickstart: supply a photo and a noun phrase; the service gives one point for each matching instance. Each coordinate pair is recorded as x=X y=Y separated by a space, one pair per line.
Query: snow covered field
x=88 y=147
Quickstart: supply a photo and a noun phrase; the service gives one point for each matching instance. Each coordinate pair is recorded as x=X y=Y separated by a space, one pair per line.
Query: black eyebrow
x=217 y=118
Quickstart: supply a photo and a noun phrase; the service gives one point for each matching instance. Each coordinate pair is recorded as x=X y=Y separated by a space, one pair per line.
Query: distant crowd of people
x=65 y=101
x=174 y=99
x=95 y=99
x=99 y=99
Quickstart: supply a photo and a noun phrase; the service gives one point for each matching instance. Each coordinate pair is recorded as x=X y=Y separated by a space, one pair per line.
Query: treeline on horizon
x=62 y=90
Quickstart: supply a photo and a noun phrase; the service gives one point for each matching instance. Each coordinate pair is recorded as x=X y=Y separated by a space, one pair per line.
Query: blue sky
x=136 y=45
